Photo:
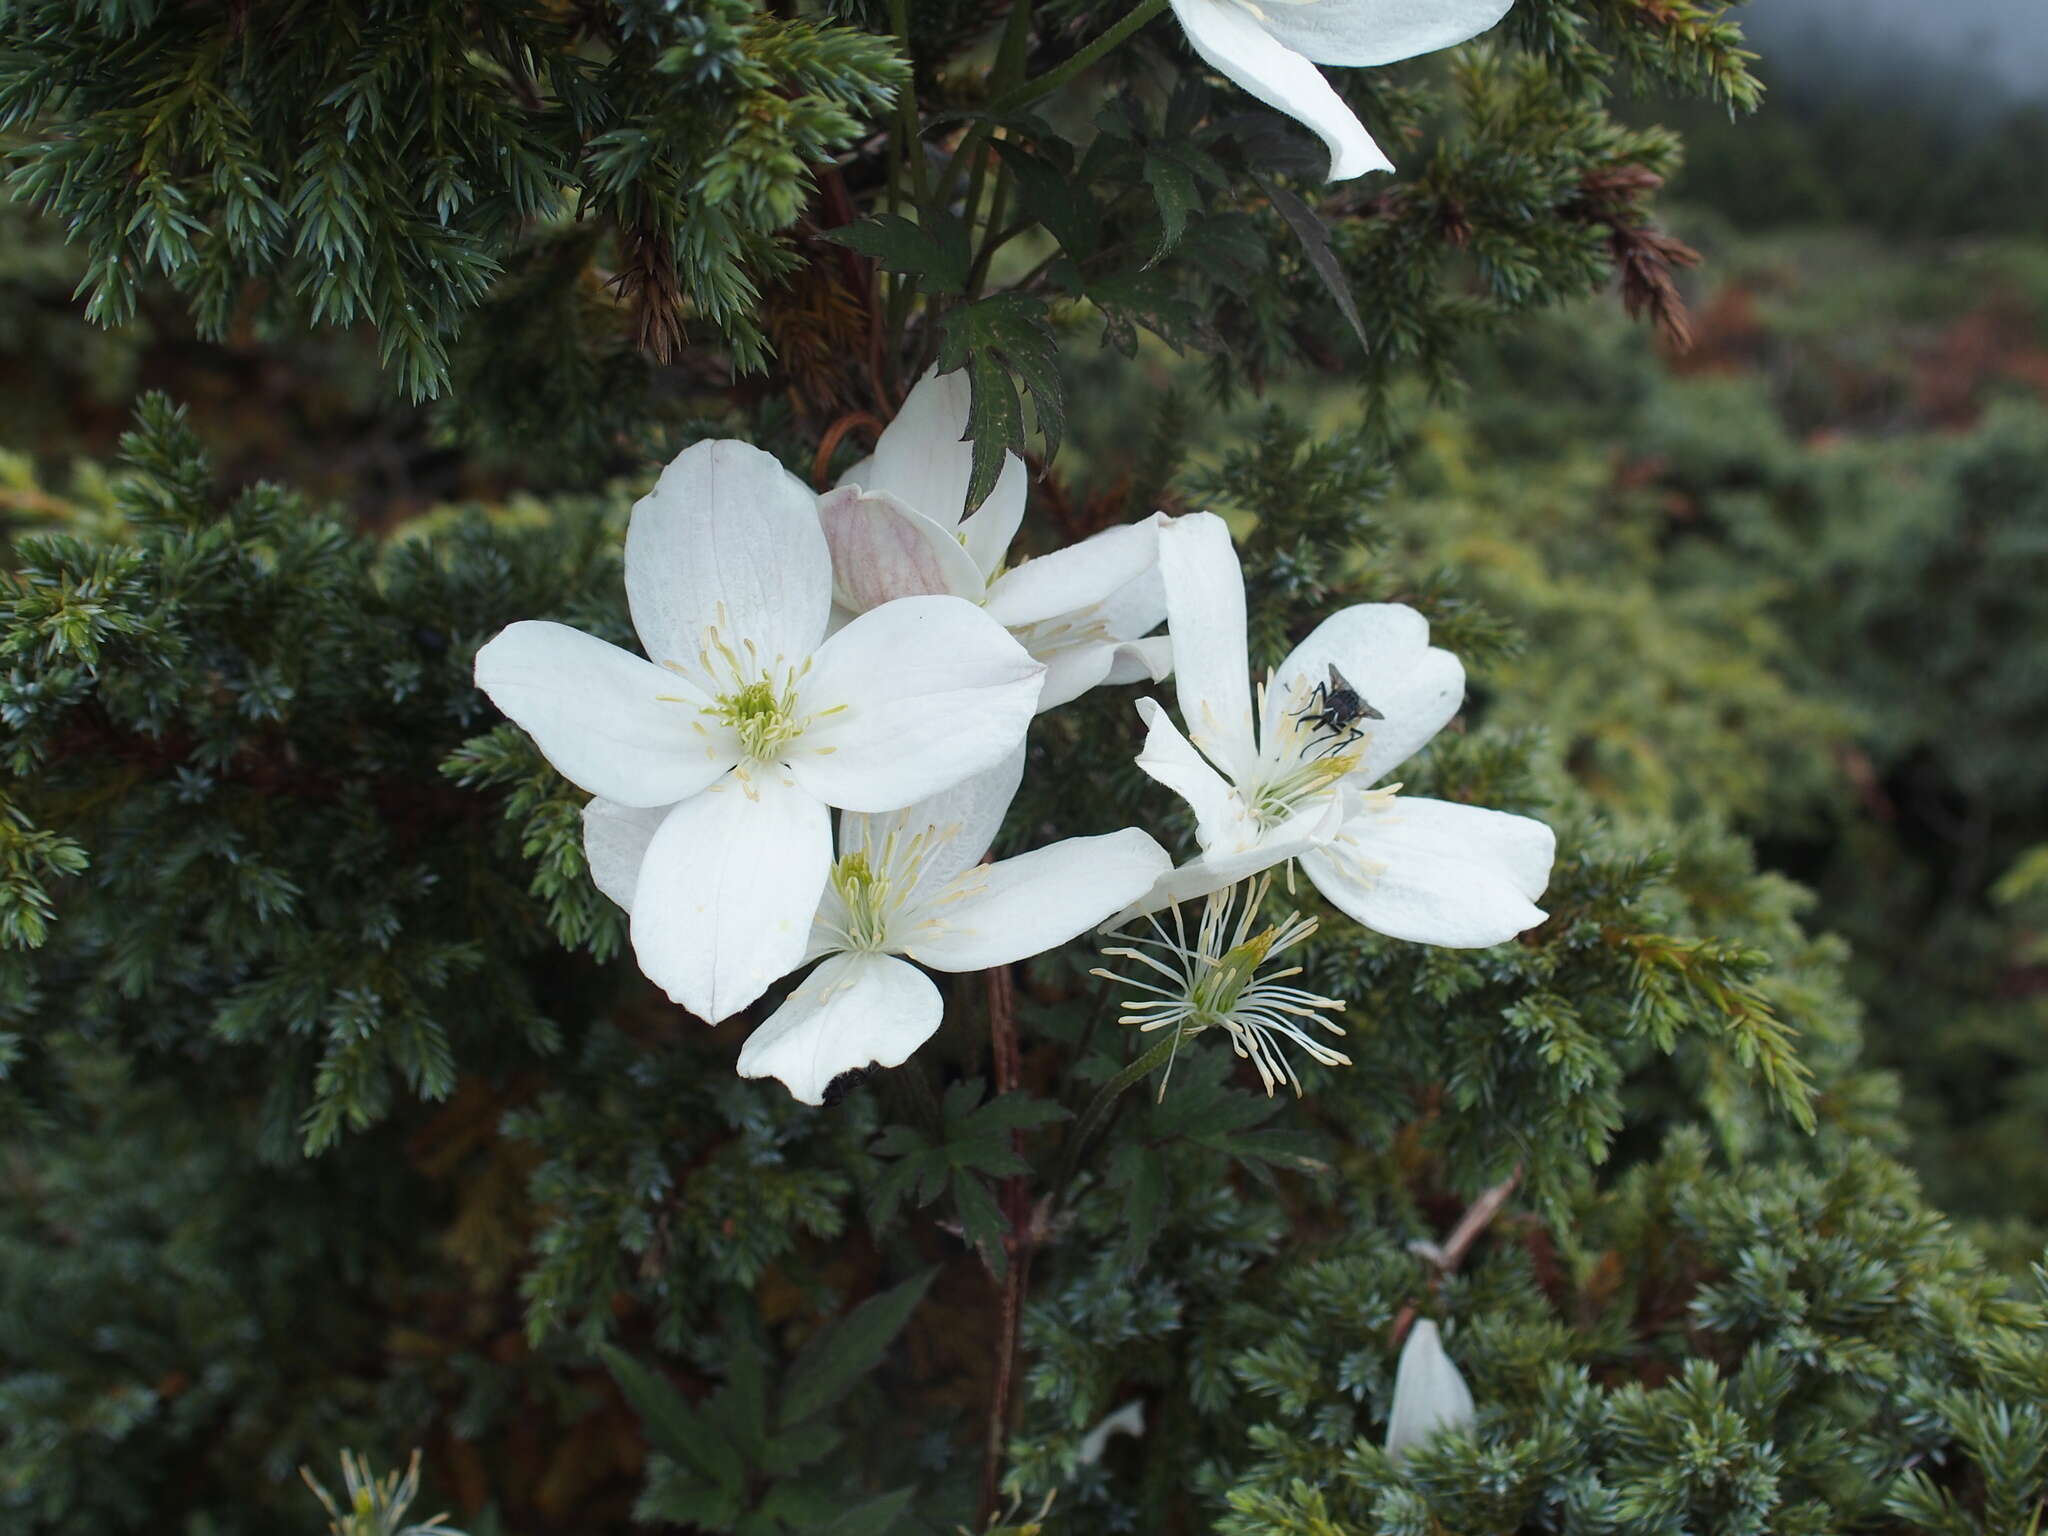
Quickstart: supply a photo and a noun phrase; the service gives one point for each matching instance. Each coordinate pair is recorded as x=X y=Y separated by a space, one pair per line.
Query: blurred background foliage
x=1755 y=605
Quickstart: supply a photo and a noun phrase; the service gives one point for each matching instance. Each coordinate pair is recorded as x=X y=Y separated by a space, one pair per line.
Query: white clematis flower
x=911 y=884
x=1298 y=783
x=895 y=529
x=1429 y=1394
x=1271 y=48
x=747 y=723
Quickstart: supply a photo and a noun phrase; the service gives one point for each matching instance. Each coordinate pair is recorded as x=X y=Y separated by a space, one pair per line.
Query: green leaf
x=936 y=252
x=847 y=1350
x=1314 y=235
x=669 y=1421
x=1003 y=341
x=1056 y=197
x=875 y=1518
x=1174 y=191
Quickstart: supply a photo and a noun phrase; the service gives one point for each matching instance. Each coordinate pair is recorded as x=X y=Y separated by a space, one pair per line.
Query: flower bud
x=1429 y=1394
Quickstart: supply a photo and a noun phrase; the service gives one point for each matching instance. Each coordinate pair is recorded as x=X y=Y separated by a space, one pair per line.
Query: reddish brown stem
x=1008 y=1069
x=1452 y=1251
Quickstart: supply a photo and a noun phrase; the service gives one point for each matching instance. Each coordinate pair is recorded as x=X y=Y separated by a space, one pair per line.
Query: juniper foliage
x=336 y=1117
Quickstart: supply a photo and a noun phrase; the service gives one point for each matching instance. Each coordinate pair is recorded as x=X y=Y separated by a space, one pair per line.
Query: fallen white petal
x=727 y=537
x=727 y=890
x=854 y=1011
x=1010 y=910
x=1435 y=872
x=1127 y=1420
x=1237 y=47
x=909 y=699
x=883 y=549
x=615 y=839
x=1429 y=1394
x=610 y=722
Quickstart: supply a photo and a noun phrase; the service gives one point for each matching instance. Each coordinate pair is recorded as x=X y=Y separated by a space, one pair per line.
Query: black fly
x=1337 y=707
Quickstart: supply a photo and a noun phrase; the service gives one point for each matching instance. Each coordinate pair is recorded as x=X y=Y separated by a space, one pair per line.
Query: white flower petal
x=882 y=550
x=965 y=818
x=909 y=699
x=1383 y=651
x=1205 y=616
x=727 y=530
x=1072 y=671
x=853 y=1011
x=989 y=528
x=1367 y=32
x=1429 y=1394
x=920 y=458
x=1079 y=577
x=1298 y=837
x=1169 y=757
x=1138 y=661
x=996 y=913
x=1435 y=872
x=610 y=722
x=1237 y=47
x=615 y=839
x=727 y=890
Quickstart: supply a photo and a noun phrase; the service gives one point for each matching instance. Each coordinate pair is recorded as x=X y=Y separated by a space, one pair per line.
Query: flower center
x=762 y=715
x=1047 y=637
x=1215 y=993
x=1304 y=756
x=753 y=696
x=873 y=884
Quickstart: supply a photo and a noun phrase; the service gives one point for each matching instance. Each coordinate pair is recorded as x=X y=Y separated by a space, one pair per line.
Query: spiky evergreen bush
x=335 y=1116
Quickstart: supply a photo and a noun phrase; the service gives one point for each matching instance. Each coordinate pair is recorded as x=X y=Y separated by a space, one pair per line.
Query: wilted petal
x=1205 y=616
x=610 y=722
x=883 y=550
x=727 y=530
x=958 y=823
x=989 y=528
x=996 y=913
x=920 y=458
x=853 y=1011
x=1366 y=32
x=615 y=839
x=1429 y=1394
x=909 y=699
x=1435 y=872
x=727 y=889
x=1383 y=652
x=1237 y=47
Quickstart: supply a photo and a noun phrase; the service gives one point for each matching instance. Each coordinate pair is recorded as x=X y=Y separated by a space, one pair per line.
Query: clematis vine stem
x=1053 y=79
x=1095 y=1118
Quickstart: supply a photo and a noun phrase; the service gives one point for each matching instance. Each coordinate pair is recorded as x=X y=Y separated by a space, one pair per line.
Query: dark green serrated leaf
x=936 y=252
x=846 y=1351
x=1174 y=193
x=1002 y=341
x=877 y=1517
x=1057 y=198
x=672 y=1425
x=1314 y=235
